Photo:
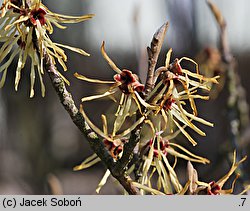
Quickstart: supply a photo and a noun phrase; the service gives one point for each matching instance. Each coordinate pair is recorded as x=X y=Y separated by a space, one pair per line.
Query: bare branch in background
x=55 y=186
x=238 y=113
x=225 y=50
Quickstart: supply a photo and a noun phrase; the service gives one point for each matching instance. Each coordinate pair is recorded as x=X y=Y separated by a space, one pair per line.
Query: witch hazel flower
x=175 y=87
x=113 y=143
x=160 y=157
x=216 y=187
x=27 y=25
x=115 y=140
x=126 y=84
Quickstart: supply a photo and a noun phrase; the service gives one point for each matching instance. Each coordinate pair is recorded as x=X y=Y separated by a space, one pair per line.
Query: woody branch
x=153 y=54
x=95 y=143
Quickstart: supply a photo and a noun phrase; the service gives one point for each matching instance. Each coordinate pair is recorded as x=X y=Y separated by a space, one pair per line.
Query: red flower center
x=168 y=104
x=115 y=148
x=38 y=14
x=214 y=190
x=175 y=67
x=128 y=81
x=164 y=144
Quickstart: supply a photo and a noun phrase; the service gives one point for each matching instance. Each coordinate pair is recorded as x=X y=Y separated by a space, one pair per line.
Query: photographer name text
x=13 y=202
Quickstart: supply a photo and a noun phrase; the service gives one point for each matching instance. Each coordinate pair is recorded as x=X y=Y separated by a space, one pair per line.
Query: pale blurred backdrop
x=39 y=144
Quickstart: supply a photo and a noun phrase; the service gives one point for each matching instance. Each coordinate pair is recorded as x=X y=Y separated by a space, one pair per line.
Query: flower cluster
x=163 y=112
x=27 y=24
x=157 y=154
x=175 y=88
x=127 y=85
x=166 y=110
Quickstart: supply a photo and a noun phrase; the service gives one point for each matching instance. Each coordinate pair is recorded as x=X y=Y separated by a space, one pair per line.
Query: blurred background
x=39 y=144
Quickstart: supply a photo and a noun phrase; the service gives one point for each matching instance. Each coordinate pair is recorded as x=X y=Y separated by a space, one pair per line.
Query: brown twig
x=117 y=169
x=129 y=149
x=95 y=143
x=153 y=54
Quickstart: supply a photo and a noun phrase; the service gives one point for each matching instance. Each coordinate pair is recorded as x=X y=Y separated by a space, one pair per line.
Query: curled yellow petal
x=168 y=57
x=172 y=174
x=201 y=159
x=77 y=50
x=106 y=57
x=147 y=189
x=234 y=166
x=84 y=78
x=3 y=78
x=186 y=134
x=94 y=128
x=94 y=97
x=103 y=181
x=88 y=162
